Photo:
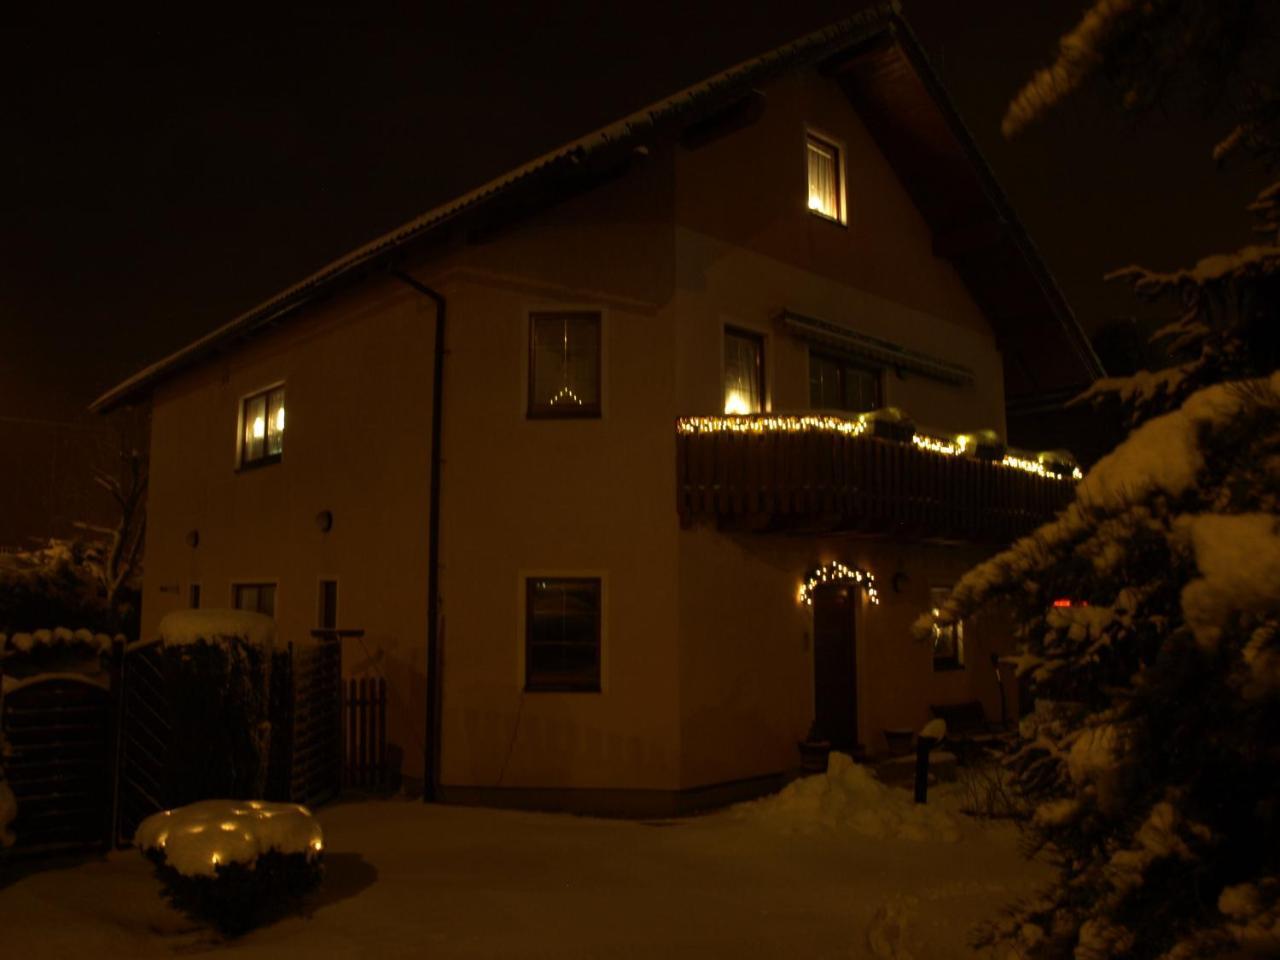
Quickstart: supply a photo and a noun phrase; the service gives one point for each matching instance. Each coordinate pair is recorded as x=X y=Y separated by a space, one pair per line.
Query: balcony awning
x=874 y=350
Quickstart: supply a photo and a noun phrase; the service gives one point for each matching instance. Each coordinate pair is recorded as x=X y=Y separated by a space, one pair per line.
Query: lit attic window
x=826 y=189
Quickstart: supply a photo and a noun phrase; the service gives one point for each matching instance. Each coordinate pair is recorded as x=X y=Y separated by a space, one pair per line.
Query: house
x=588 y=453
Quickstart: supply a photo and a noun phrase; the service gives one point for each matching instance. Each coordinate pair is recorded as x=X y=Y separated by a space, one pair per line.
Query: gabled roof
x=869 y=52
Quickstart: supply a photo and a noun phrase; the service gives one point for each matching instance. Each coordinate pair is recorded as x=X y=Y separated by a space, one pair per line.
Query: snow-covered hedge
x=234 y=862
x=61 y=582
x=227 y=687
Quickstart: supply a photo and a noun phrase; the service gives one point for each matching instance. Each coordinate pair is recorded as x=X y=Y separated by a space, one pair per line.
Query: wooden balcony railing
x=814 y=474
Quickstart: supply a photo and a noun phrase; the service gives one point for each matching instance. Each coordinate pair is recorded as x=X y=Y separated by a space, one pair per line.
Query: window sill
x=576 y=413
x=834 y=221
x=260 y=463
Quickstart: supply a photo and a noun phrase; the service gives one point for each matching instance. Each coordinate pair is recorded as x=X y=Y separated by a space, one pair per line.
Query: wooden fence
x=92 y=755
x=365 y=756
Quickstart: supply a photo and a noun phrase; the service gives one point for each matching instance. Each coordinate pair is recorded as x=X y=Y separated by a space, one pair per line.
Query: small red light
x=1062 y=603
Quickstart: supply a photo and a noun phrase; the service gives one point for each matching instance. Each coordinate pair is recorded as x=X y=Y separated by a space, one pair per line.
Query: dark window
x=948 y=641
x=743 y=372
x=838 y=384
x=825 y=189
x=562 y=633
x=328 y=612
x=258 y=597
x=564 y=365
x=262 y=436
x=193 y=596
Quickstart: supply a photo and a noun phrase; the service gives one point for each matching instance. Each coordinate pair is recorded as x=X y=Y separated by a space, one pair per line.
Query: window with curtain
x=262 y=419
x=824 y=178
x=743 y=372
x=839 y=384
x=562 y=634
x=564 y=365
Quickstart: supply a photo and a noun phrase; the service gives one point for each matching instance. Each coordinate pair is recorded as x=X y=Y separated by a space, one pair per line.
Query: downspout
x=431 y=760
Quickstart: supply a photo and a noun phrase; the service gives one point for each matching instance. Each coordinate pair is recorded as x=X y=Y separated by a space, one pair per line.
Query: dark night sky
x=162 y=176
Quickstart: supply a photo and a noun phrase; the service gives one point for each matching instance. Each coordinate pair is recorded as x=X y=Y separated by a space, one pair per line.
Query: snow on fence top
x=184 y=627
x=58 y=636
x=199 y=838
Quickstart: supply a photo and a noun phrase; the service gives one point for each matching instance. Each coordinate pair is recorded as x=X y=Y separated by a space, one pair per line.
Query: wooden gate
x=143 y=741
x=316 y=764
x=365 y=756
x=60 y=729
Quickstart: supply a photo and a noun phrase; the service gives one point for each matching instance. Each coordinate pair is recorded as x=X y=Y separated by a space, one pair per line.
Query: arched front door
x=835 y=679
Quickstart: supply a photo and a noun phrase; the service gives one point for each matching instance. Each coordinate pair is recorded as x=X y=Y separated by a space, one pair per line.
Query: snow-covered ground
x=812 y=872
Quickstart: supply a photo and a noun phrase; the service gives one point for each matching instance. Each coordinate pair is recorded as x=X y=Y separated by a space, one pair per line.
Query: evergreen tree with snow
x=1149 y=610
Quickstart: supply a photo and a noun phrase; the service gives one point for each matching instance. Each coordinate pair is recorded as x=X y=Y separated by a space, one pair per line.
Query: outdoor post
x=926 y=740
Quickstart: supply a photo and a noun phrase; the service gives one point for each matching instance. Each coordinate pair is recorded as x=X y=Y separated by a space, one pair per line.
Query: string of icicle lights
x=836 y=572
x=956 y=446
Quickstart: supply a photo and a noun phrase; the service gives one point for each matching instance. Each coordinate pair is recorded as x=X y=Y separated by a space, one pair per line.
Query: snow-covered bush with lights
x=235 y=863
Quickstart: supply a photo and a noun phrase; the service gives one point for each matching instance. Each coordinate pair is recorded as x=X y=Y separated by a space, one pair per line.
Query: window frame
x=238 y=585
x=536 y=411
x=193 y=595
x=530 y=684
x=843 y=363
x=321 y=584
x=266 y=459
x=956 y=659
x=761 y=340
x=837 y=147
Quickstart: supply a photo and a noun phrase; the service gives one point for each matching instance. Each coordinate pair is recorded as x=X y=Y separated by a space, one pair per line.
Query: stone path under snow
x=408 y=880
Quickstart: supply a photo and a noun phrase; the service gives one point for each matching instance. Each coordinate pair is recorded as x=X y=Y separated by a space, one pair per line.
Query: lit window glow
x=259 y=428
x=735 y=403
x=824 y=178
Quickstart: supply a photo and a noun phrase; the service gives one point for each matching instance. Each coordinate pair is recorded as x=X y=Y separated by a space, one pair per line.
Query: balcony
x=871 y=474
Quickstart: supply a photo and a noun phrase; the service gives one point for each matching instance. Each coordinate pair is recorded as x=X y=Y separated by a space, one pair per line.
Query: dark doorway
x=835 y=680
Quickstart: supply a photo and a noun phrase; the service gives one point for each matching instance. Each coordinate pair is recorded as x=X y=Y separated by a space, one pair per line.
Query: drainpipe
x=431 y=765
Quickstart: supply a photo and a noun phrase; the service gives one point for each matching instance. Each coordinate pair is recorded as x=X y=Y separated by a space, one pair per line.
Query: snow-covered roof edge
x=999 y=199
x=811 y=47
x=881 y=18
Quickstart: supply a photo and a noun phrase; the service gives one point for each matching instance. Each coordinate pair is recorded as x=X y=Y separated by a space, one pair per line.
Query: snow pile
x=848 y=797
x=1239 y=561
x=185 y=627
x=197 y=839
